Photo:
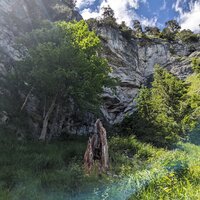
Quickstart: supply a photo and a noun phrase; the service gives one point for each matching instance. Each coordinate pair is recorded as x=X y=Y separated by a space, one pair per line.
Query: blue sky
x=149 y=12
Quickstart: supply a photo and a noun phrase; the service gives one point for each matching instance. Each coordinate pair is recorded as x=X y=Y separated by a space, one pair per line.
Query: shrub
x=187 y=36
x=196 y=65
x=126 y=31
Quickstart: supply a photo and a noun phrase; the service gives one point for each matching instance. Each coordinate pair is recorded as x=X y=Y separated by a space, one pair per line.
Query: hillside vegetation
x=32 y=170
x=154 y=153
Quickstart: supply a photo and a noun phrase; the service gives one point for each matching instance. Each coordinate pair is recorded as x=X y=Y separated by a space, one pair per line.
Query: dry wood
x=88 y=157
x=97 y=149
x=103 y=144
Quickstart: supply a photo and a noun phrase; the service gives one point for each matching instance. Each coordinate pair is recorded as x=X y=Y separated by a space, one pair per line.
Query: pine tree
x=108 y=12
x=160 y=108
x=109 y=16
x=137 y=26
x=173 y=26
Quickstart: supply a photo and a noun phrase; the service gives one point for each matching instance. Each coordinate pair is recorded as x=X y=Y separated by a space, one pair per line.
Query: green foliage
x=172 y=32
x=32 y=170
x=187 y=36
x=171 y=29
x=69 y=65
x=61 y=62
x=81 y=36
x=172 y=50
x=137 y=29
x=108 y=12
x=10 y=99
x=161 y=106
x=181 y=179
x=152 y=31
x=137 y=26
x=161 y=175
x=164 y=112
x=194 y=92
x=170 y=187
x=126 y=155
x=196 y=65
x=108 y=17
x=167 y=34
x=173 y=26
x=126 y=31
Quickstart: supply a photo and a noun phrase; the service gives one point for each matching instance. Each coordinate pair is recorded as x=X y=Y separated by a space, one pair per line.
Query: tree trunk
x=54 y=125
x=46 y=120
x=89 y=157
x=97 y=149
x=104 y=146
x=26 y=99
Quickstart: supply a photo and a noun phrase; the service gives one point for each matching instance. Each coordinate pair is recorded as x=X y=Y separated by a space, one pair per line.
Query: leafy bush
x=61 y=65
x=126 y=154
x=164 y=112
x=196 y=64
x=179 y=167
x=187 y=36
x=146 y=171
x=169 y=187
x=167 y=34
x=126 y=31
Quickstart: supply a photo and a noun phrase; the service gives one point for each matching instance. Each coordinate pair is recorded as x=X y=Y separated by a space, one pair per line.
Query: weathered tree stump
x=97 y=149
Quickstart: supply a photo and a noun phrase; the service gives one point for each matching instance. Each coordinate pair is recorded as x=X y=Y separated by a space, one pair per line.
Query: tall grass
x=54 y=171
x=32 y=170
x=181 y=180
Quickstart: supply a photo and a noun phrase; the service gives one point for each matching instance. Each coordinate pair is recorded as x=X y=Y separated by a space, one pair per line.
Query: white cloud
x=164 y=6
x=177 y=6
x=148 y=22
x=84 y=3
x=124 y=11
x=88 y=13
x=189 y=19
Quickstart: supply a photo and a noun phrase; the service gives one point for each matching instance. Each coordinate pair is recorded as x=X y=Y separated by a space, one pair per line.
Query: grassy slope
x=139 y=171
x=34 y=170
x=180 y=176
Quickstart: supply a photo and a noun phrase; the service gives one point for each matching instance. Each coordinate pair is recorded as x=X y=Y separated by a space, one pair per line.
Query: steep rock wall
x=19 y=16
x=132 y=60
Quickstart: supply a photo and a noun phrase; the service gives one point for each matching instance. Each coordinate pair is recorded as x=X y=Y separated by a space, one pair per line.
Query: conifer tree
x=163 y=111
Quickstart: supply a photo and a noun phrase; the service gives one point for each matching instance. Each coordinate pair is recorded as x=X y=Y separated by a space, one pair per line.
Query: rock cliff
x=20 y=16
x=132 y=60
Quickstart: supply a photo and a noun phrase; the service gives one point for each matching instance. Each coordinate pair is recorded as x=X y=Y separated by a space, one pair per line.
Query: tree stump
x=97 y=149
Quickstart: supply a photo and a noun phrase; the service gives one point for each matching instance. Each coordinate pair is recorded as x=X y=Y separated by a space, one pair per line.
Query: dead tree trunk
x=104 y=146
x=88 y=157
x=46 y=120
x=97 y=149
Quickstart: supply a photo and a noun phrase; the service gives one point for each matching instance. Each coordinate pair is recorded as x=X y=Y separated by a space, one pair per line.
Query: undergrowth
x=54 y=171
x=33 y=170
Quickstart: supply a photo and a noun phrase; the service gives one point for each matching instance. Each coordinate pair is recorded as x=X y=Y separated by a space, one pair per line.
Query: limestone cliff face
x=132 y=60
x=19 y=16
